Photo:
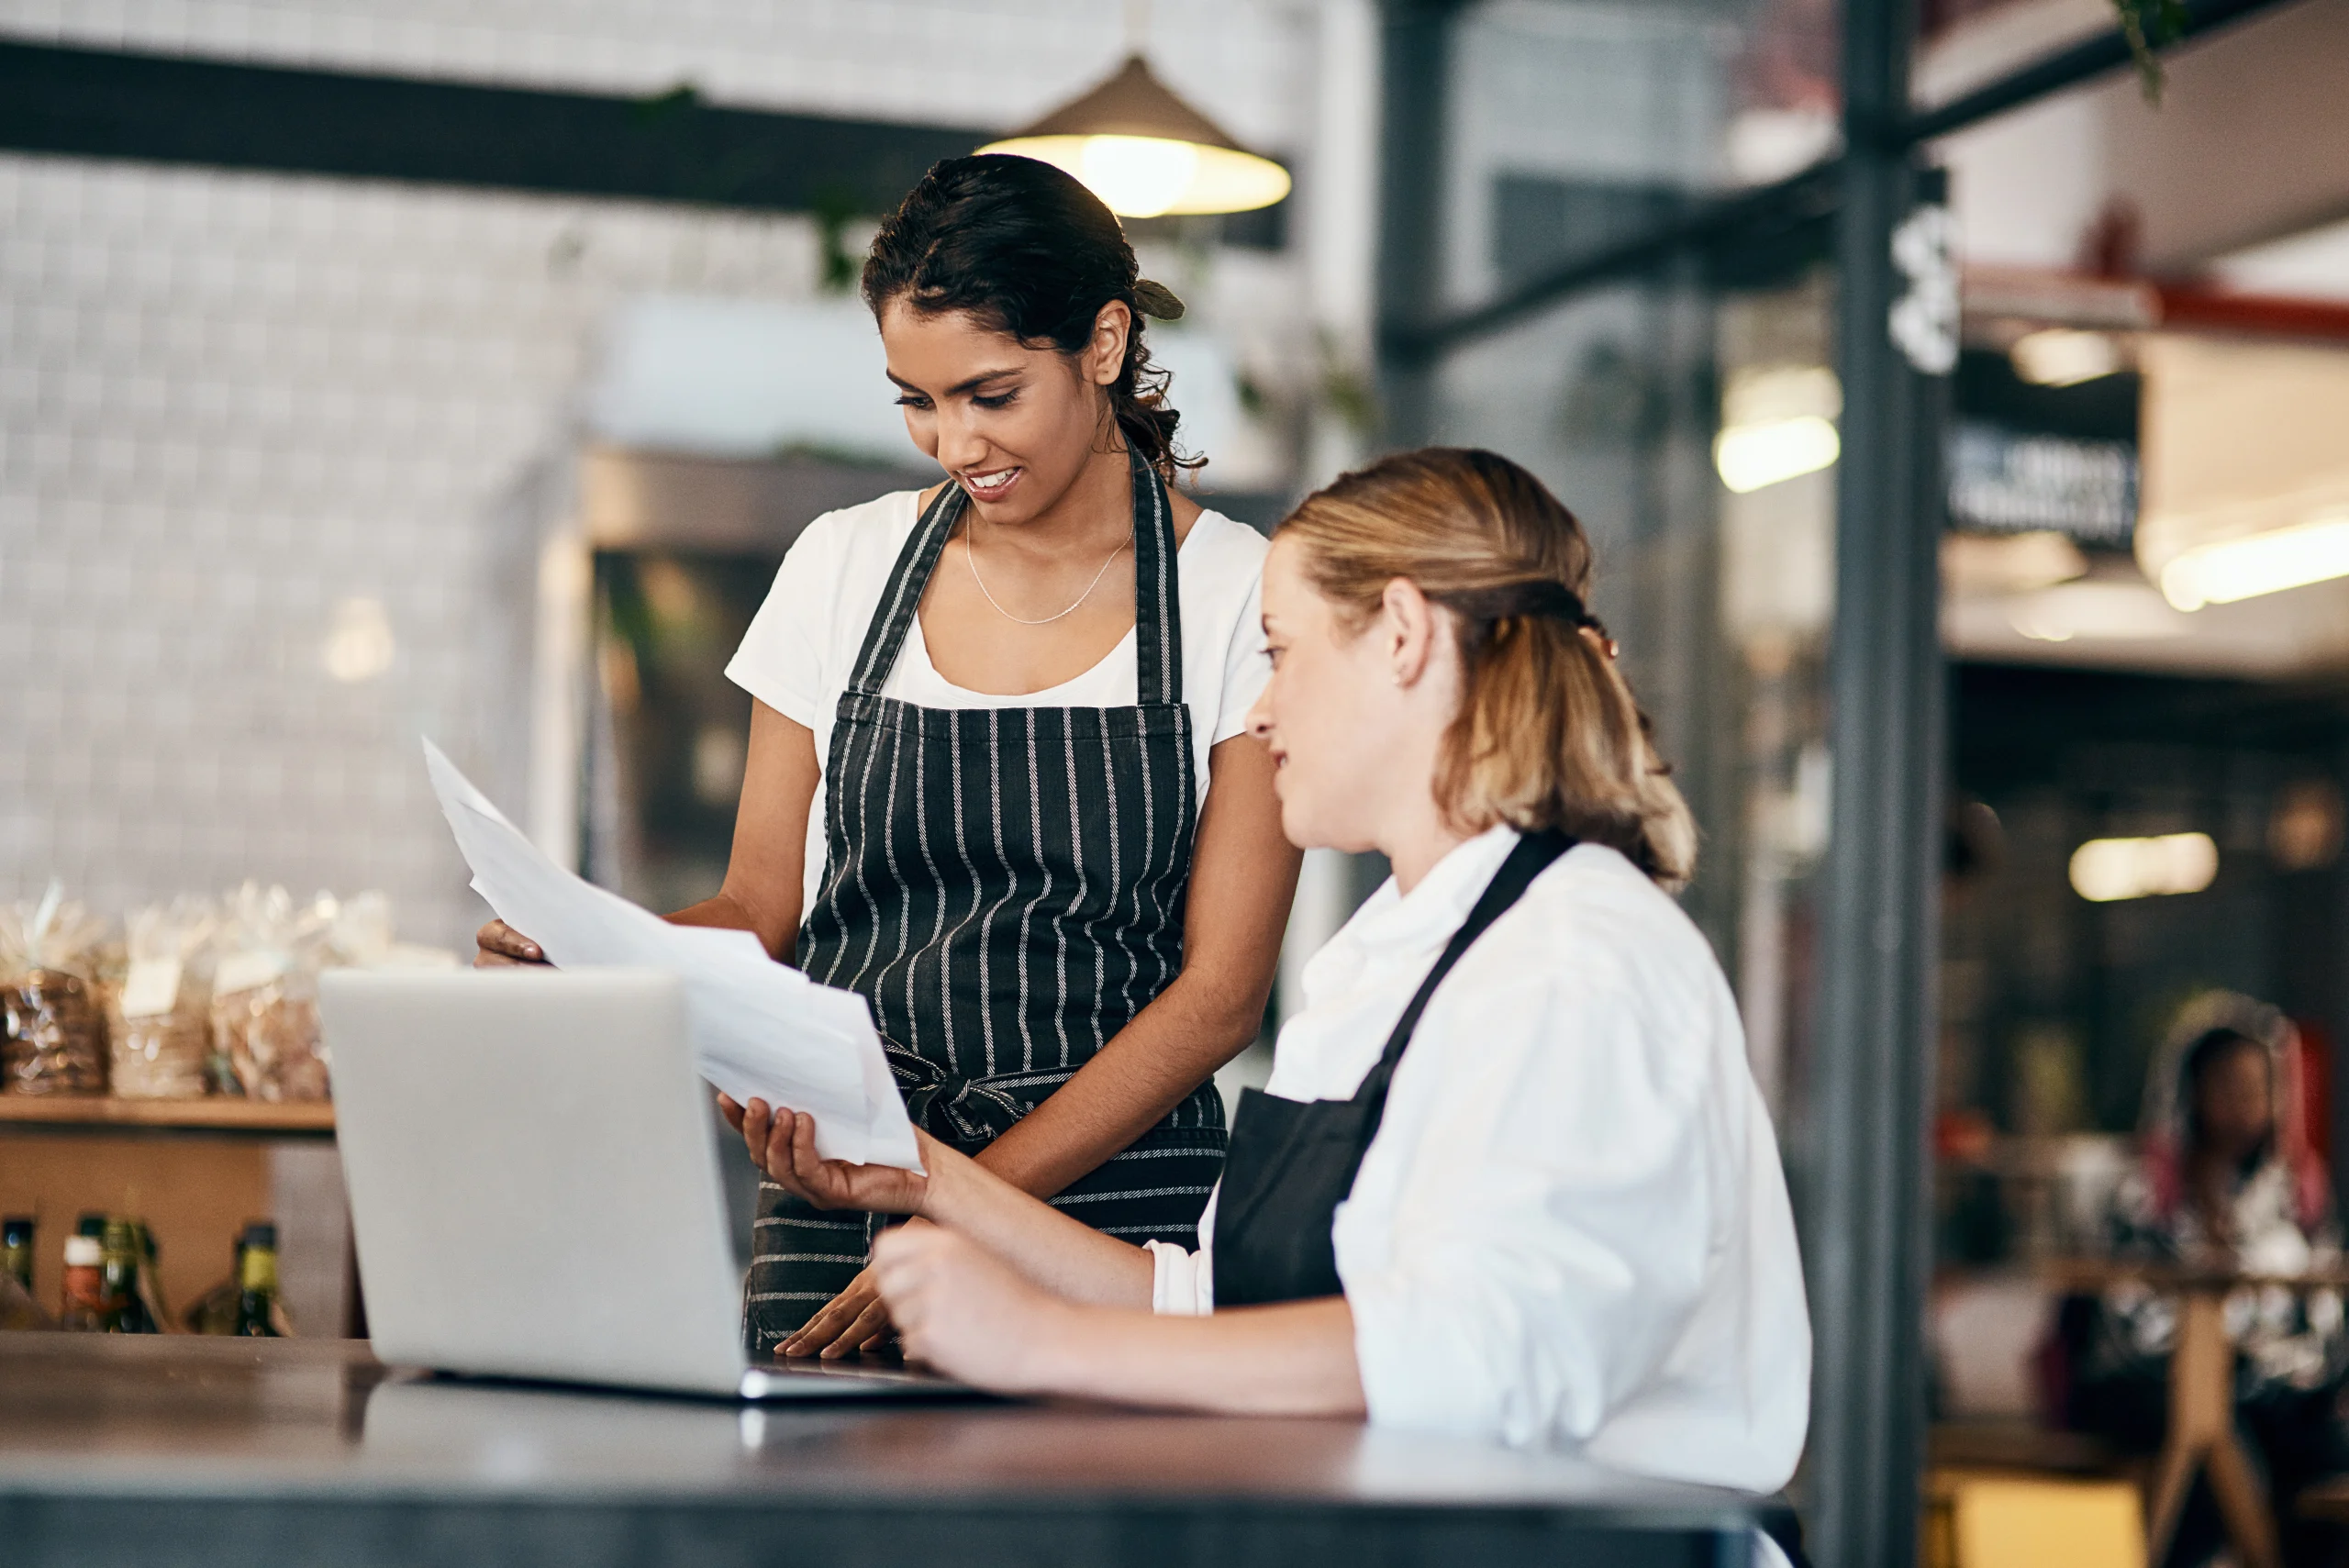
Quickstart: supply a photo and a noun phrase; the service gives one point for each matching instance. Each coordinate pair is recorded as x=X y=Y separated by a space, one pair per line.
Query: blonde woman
x=1511 y=1176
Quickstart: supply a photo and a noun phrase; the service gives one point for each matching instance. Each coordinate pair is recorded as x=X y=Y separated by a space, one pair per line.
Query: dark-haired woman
x=997 y=781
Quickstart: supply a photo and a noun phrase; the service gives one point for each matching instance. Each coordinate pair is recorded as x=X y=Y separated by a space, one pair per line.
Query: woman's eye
x=1000 y=400
x=910 y=401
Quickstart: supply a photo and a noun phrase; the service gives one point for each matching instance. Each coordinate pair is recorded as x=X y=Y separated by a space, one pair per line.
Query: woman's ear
x=1409 y=625
x=1105 y=351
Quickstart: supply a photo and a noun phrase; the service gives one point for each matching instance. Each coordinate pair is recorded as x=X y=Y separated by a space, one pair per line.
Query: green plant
x=2150 y=25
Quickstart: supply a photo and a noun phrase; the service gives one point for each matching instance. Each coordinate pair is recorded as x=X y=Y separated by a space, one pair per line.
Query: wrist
x=1053 y=1350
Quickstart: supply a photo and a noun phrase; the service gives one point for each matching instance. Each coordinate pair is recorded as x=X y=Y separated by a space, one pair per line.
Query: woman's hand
x=962 y=1311
x=782 y=1142
x=853 y=1320
x=498 y=945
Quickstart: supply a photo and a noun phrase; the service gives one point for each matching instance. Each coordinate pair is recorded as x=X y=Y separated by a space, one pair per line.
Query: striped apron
x=1006 y=886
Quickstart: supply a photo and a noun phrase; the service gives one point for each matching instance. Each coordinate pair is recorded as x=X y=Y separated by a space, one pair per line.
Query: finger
x=831 y=1318
x=733 y=1112
x=804 y=1158
x=500 y=937
x=868 y=1325
x=783 y=1155
x=754 y=1131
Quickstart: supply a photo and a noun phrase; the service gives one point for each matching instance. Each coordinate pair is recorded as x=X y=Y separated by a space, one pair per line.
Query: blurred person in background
x=2227 y=1180
x=997 y=781
x=1511 y=1177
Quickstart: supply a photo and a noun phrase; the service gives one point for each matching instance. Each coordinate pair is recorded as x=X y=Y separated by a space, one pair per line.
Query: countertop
x=185 y=1450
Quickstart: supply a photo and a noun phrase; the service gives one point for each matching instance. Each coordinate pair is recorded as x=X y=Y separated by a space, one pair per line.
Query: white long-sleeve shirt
x=1572 y=1227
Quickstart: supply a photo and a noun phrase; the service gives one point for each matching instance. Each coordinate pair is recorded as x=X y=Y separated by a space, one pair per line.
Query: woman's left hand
x=962 y=1311
x=851 y=1321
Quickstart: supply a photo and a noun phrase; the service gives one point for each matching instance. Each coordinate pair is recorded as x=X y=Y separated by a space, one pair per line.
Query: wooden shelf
x=217 y=1115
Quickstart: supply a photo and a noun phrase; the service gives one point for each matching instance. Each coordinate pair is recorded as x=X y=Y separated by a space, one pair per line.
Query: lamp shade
x=1145 y=152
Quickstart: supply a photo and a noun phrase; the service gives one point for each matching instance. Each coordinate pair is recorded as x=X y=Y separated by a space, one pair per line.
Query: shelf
x=222 y=1114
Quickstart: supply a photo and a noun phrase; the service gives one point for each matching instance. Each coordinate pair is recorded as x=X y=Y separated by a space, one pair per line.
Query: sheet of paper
x=758 y=1026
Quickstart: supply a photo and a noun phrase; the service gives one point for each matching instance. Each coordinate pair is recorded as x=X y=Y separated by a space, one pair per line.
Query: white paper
x=151 y=988
x=758 y=1028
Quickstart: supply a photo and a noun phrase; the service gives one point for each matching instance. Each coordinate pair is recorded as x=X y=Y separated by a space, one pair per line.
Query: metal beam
x=1415 y=72
x=2068 y=67
x=1867 y=1242
x=671 y=148
x=1810 y=192
x=1720 y=220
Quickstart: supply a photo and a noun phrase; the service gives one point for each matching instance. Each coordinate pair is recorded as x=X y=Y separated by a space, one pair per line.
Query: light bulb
x=1136 y=176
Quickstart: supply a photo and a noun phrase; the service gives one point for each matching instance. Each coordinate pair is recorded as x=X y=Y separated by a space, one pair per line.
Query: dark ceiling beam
x=1726 y=220
x=2069 y=67
x=670 y=148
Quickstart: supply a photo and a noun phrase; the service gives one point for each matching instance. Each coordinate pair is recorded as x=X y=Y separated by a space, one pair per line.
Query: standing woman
x=998 y=780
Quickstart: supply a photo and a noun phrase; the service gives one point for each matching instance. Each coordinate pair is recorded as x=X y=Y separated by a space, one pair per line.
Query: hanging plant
x=2150 y=25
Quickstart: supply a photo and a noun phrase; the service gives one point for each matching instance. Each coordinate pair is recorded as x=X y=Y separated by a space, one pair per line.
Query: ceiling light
x=2098 y=612
x=2106 y=870
x=2060 y=356
x=2009 y=563
x=1145 y=151
x=1752 y=456
x=2227 y=570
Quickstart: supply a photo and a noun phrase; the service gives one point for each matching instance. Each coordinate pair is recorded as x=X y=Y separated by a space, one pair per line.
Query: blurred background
x=1955 y=394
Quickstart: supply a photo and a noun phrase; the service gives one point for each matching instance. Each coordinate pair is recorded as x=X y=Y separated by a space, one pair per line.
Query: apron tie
x=950 y=1106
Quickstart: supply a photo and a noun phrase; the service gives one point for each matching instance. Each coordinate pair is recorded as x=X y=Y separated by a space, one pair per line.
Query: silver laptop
x=534 y=1186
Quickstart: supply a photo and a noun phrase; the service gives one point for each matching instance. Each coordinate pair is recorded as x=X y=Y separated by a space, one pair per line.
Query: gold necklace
x=973 y=560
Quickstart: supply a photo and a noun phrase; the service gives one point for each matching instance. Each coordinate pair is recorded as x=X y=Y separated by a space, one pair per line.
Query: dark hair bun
x=1025 y=248
x=1156 y=299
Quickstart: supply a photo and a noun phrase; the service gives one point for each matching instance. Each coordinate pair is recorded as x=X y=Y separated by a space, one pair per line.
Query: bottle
x=84 y=1263
x=150 y=1279
x=17 y=1307
x=121 y=1311
x=256 y=1283
x=17 y=1246
x=215 y=1312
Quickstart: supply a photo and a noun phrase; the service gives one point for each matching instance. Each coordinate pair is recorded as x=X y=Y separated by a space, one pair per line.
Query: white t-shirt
x=801 y=649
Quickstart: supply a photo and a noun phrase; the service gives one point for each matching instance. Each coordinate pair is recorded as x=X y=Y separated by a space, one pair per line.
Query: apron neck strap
x=1528 y=858
x=1158 y=620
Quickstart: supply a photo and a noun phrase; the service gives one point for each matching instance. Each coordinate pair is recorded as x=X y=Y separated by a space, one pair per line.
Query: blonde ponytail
x=1548 y=735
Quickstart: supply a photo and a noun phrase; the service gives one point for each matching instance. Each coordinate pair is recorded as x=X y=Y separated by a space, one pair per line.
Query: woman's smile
x=994 y=485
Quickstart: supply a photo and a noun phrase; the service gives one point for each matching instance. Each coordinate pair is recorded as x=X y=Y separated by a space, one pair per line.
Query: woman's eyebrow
x=970 y=385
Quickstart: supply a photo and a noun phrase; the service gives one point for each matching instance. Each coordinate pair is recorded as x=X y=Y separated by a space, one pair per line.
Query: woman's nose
x=1259 y=722
x=961 y=447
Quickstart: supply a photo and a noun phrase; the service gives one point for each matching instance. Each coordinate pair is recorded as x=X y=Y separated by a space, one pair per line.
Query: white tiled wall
x=229 y=401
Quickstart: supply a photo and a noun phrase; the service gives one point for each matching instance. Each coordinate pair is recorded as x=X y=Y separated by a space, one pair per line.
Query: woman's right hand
x=782 y=1142
x=497 y=945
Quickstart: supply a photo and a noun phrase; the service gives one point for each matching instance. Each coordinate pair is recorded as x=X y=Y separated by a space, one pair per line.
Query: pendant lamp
x=1147 y=153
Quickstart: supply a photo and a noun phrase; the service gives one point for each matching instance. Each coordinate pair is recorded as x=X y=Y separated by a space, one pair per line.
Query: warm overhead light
x=1752 y=456
x=2224 y=571
x=2059 y=356
x=2106 y=870
x=1146 y=152
x=2096 y=612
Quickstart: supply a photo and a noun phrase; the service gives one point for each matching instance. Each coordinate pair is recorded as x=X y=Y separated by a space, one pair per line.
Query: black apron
x=1006 y=886
x=1293 y=1162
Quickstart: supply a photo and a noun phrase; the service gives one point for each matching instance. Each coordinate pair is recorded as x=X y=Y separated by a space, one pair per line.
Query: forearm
x=1172 y=1047
x=730 y=911
x=1295 y=1359
x=1063 y=1255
